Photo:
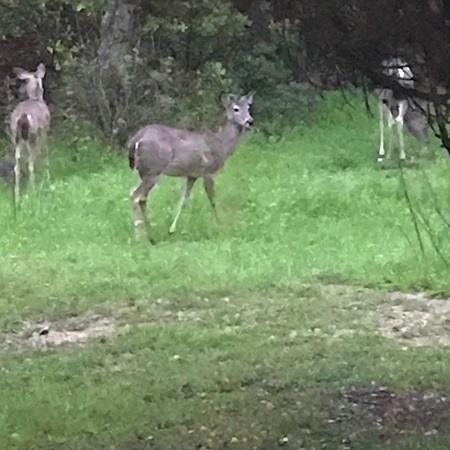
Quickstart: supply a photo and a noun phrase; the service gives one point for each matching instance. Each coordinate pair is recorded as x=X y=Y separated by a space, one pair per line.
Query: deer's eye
x=236 y=108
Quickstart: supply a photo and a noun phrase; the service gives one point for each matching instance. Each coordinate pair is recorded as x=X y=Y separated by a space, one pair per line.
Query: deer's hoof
x=140 y=235
x=142 y=239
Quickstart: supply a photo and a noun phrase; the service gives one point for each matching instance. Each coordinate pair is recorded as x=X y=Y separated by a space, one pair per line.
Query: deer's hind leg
x=138 y=200
x=31 y=158
x=17 y=171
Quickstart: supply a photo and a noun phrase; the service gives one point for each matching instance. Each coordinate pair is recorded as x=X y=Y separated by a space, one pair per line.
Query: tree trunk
x=117 y=33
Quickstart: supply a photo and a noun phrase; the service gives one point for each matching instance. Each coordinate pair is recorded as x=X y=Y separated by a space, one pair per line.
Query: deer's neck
x=37 y=95
x=38 y=98
x=227 y=138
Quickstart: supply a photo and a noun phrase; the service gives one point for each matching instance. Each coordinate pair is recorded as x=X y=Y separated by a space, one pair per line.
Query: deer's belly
x=175 y=169
x=193 y=167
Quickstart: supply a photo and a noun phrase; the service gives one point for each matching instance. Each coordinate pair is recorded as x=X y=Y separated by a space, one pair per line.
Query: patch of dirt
x=415 y=319
x=74 y=331
x=385 y=414
x=78 y=330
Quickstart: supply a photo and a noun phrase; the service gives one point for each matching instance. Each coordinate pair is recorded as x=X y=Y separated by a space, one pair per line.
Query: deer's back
x=165 y=135
x=181 y=152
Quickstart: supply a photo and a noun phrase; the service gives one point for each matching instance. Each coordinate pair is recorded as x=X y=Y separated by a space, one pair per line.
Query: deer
x=30 y=121
x=398 y=112
x=157 y=150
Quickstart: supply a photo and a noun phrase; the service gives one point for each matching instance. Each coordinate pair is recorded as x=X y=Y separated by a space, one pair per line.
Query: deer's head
x=33 y=81
x=238 y=109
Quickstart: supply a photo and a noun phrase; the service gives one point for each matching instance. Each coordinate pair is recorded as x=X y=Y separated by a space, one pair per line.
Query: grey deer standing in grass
x=399 y=112
x=30 y=121
x=157 y=150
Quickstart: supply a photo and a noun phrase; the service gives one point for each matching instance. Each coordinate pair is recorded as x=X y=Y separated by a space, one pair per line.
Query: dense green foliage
x=167 y=61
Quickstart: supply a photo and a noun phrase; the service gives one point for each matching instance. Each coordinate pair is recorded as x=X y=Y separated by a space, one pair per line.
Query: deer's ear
x=249 y=97
x=224 y=99
x=227 y=99
x=40 y=71
x=22 y=74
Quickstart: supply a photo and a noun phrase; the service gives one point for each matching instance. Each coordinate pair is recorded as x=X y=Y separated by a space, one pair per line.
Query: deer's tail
x=132 y=148
x=23 y=127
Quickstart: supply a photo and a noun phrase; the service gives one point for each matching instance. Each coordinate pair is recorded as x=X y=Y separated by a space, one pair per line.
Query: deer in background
x=398 y=112
x=30 y=121
x=157 y=150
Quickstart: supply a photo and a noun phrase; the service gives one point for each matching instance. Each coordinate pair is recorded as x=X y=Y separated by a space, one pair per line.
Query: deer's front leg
x=184 y=197
x=208 y=183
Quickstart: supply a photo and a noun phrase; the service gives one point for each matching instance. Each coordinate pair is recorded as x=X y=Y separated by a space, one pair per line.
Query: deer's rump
x=29 y=117
x=23 y=127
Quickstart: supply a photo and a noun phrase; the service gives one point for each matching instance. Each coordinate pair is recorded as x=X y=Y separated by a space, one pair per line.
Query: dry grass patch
x=415 y=319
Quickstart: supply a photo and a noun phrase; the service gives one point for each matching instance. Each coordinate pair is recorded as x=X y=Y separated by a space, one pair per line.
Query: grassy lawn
x=261 y=332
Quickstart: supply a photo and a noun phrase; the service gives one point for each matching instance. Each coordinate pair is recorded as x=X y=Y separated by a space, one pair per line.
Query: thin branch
x=366 y=99
x=429 y=230
x=411 y=210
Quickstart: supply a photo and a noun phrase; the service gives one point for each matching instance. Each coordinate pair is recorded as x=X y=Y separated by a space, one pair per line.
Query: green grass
x=310 y=209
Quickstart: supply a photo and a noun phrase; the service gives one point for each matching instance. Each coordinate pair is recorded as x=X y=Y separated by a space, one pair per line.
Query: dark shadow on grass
x=285 y=416
x=381 y=416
